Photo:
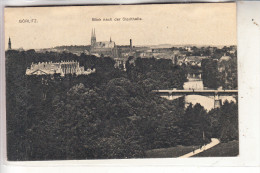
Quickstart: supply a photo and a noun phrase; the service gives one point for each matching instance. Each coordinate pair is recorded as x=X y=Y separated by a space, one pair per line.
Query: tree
x=210 y=73
x=228 y=122
x=195 y=126
x=228 y=74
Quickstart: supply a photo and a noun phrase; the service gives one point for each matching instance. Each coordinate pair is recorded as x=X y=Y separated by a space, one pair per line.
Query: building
x=191 y=60
x=224 y=58
x=120 y=63
x=105 y=48
x=62 y=68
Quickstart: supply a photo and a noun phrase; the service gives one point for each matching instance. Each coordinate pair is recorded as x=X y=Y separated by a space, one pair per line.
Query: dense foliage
x=107 y=114
x=156 y=73
x=210 y=73
x=219 y=73
x=228 y=76
x=224 y=122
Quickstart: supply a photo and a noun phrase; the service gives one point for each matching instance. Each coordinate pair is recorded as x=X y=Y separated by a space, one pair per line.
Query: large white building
x=62 y=68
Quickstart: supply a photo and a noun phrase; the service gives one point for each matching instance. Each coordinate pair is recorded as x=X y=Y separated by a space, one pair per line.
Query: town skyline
x=162 y=45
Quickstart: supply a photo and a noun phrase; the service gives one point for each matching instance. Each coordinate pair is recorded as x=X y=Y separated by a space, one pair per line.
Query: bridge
x=217 y=95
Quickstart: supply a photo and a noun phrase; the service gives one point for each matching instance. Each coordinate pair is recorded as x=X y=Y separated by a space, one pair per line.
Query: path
x=213 y=143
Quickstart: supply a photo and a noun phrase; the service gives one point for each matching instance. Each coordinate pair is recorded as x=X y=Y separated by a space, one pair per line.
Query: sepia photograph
x=121 y=81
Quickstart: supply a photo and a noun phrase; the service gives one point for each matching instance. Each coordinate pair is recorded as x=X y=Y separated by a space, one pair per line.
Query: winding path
x=213 y=143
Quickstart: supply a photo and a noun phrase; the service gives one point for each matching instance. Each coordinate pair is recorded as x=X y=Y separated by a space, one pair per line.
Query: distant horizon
x=126 y=44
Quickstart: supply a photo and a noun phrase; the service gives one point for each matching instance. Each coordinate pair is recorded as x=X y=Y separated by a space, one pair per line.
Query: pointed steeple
x=9 y=44
x=94 y=33
x=110 y=39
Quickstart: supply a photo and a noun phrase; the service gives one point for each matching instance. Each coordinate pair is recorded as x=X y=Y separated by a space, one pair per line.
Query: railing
x=199 y=92
x=193 y=90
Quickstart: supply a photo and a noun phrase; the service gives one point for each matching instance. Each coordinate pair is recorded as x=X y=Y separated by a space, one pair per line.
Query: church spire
x=110 y=39
x=9 y=44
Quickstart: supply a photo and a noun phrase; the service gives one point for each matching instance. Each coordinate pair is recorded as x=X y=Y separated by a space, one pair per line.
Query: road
x=213 y=143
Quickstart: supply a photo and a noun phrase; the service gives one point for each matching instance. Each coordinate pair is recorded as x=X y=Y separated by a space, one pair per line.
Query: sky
x=176 y=24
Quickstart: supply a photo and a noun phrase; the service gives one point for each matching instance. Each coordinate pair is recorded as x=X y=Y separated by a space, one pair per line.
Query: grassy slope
x=169 y=152
x=221 y=150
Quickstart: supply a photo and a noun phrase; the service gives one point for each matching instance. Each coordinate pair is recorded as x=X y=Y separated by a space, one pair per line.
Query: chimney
x=131 y=43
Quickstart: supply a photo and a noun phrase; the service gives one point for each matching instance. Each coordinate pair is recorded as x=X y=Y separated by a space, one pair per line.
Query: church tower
x=9 y=44
x=93 y=38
